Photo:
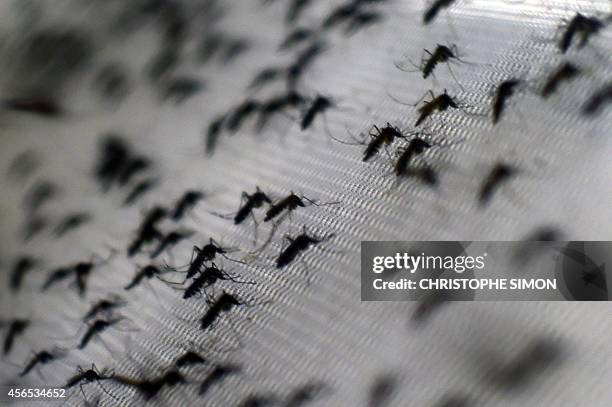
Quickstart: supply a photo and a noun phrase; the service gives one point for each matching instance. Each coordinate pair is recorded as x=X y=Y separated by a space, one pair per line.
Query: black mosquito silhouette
x=151 y=387
x=24 y=164
x=307 y=56
x=179 y=89
x=79 y=271
x=114 y=154
x=206 y=254
x=428 y=304
x=442 y=54
x=305 y=394
x=241 y=113
x=318 y=106
x=40 y=194
x=499 y=174
x=425 y=174
x=207 y=278
x=296 y=37
x=361 y=20
x=224 y=303
x=259 y=400
x=416 y=147
x=190 y=358
x=439 y=103
x=536 y=242
x=278 y=104
x=297 y=245
x=40 y=106
x=211 y=45
x=148 y=230
x=104 y=307
x=84 y=377
x=295 y=10
x=544 y=234
x=290 y=203
x=186 y=203
x=233 y=48
x=251 y=202
x=564 y=73
x=302 y=62
x=139 y=190
x=70 y=222
x=379 y=137
x=202 y=256
x=33 y=226
x=21 y=267
x=57 y=275
x=40 y=358
x=16 y=327
x=342 y=14
x=580 y=25
x=163 y=63
x=170 y=240
x=504 y=91
x=536 y=358
x=82 y=270
x=337 y=16
x=148 y=272
x=381 y=390
x=95 y=329
x=112 y=82
x=598 y=100
x=133 y=166
x=213 y=133
x=268 y=75
x=218 y=373
x=434 y=9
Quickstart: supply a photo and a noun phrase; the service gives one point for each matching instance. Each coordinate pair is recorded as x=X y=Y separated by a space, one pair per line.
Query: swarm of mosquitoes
x=120 y=169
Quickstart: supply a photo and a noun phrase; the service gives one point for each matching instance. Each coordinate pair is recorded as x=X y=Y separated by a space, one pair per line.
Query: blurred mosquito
x=80 y=271
x=148 y=230
x=95 y=329
x=503 y=92
x=564 y=73
x=598 y=100
x=434 y=9
x=580 y=26
x=22 y=266
x=104 y=307
x=218 y=373
x=151 y=387
x=16 y=328
x=499 y=174
x=169 y=240
x=186 y=203
x=70 y=222
x=43 y=357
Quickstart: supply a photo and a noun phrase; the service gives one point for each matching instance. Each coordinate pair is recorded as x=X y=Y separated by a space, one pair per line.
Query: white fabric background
x=322 y=331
